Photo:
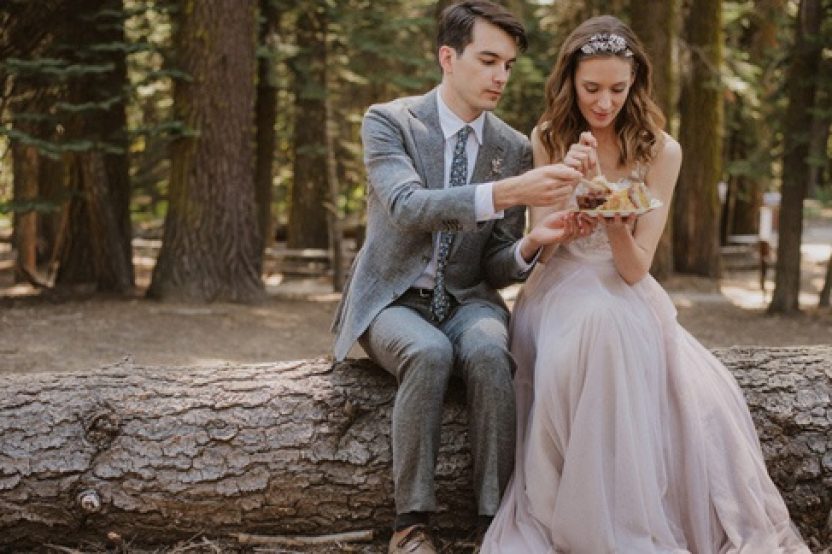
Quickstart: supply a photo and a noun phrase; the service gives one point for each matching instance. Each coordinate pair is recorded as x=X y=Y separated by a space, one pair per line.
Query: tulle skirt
x=632 y=437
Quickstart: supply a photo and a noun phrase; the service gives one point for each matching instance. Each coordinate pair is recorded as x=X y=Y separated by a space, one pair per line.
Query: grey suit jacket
x=407 y=204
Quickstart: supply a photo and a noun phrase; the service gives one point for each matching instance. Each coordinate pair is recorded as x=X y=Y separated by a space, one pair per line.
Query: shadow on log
x=158 y=455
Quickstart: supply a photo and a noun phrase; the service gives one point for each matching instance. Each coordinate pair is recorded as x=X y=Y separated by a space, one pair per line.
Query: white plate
x=654 y=203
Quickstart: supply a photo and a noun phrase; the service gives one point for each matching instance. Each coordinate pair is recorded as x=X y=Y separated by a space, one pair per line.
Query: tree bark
x=801 y=85
x=26 y=168
x=655 y=24
x=821 y=121
x=211 y=244
x=302 y=448
x=823 y=299
x=106 y=127
x=266 y=113
x=310 y=190
x=696 y=213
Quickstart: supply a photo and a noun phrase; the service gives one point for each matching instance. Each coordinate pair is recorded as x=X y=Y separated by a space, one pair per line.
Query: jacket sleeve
x=499 y=262
x=394 y=180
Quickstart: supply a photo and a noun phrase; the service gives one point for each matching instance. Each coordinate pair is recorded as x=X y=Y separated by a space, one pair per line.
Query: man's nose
x=501 y=75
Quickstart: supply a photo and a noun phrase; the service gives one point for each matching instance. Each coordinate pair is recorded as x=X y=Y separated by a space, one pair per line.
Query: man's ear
x=446 y=56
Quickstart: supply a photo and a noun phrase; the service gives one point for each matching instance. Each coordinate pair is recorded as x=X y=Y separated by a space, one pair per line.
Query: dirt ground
x=57 y=332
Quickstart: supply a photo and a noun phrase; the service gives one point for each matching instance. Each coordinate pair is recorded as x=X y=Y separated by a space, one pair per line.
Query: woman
x=632 y=437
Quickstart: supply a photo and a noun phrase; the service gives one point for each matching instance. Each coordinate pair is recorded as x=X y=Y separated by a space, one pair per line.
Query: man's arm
x=542 y=186
x=393 y=178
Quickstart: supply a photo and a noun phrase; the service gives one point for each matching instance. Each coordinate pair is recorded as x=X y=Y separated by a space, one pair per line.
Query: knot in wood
x=89 y=501
x=102 y=427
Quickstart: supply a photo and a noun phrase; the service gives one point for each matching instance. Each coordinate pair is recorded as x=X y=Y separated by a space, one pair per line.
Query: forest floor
x=48 y=331
x=53 y=331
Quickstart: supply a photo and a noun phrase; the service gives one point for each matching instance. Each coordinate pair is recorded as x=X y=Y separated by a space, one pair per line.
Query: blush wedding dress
x=631 y=436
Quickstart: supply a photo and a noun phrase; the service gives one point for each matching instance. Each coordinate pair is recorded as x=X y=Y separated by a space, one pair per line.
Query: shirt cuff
x=521 y=263
x=484 y=203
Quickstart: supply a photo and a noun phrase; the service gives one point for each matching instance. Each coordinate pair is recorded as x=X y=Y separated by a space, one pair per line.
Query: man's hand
x=556 y=228
x=547 y=185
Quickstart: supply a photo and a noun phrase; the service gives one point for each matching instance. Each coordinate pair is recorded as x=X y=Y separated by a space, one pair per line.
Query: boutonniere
x=496 y=166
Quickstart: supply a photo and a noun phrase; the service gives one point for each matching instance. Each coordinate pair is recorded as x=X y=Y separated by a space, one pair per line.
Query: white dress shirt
x=483 y=199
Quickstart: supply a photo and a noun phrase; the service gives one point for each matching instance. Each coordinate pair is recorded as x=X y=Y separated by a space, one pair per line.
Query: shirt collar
x=452 y=123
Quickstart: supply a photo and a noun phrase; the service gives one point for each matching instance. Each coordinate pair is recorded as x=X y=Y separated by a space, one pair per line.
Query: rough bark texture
x=104 y=193
x=655 y=24
x=26 y=168
x=696 y=209
x=801 y=85
x=310 y=190
x=211 y=244
x=302 y=448
x=90 y=242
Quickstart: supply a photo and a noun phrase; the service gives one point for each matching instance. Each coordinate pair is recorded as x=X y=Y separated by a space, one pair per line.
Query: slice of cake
x=639 y=195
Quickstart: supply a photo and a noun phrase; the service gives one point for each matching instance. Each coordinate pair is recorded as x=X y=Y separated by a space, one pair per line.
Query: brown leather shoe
x=415 y=539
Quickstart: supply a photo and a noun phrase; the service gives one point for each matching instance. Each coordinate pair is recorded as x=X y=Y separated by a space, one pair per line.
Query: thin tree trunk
x=26 y=165
x=335 y=218
x=51 y=189
x=696 y=212
x=266 y=113
x=801 y=85
x=310 y=190
x=821 y=121
x=211 y=249
x=655 y=24
x=300 y=448
x=823 y=301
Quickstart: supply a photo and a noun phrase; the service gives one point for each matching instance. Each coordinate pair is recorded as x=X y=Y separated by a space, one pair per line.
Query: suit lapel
x=490 y=150
x=430 y=144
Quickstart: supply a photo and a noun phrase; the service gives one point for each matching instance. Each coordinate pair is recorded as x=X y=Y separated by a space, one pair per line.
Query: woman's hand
x=556 y=228
x=583 y=155
x=617 y=223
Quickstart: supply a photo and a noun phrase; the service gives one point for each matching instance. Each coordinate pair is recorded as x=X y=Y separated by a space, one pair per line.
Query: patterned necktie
x=440 y=303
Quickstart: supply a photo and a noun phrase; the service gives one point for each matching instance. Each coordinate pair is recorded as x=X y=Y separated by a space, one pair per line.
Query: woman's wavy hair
x=639 y=123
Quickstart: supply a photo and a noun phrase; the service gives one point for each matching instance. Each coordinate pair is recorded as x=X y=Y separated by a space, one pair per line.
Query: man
x=442 y=237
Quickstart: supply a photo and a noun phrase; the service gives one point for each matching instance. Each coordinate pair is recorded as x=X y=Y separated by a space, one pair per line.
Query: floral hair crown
x=606 y=43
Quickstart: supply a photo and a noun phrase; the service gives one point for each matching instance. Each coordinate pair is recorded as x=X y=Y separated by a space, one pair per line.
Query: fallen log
x=156 y=455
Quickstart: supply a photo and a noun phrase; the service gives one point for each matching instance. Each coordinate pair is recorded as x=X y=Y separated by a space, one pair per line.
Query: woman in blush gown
x=632 y=437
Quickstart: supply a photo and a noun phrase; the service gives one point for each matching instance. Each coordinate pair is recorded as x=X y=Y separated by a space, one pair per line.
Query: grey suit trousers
x=472 y=343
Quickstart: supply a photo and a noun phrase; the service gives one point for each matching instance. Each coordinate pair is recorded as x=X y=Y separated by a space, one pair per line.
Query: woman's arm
x=633 y=250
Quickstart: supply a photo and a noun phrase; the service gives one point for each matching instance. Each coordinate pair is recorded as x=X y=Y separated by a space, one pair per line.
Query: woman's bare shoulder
x=669 y=149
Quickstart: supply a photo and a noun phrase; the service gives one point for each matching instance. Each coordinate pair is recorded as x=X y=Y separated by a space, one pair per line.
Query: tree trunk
x=301 y=448
x=801 y=85
x=821 y=121
x=335 y=217
x=696 y=217
x=51 y=189
x=266 y=113
x=655 y=24
x=211 y=244
x=823 y=300
x=87 y=29
x=310 y=190
x=89 y=249
x=26 y=168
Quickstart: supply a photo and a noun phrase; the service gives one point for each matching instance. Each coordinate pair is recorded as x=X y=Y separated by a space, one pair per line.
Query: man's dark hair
x=456 y=23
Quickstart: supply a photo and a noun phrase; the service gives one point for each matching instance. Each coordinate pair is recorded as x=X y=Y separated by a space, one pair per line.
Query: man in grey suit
x=448 y=186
